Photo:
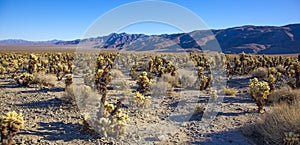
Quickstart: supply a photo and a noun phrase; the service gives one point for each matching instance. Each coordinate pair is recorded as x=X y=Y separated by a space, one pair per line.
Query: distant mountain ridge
x=248 y=38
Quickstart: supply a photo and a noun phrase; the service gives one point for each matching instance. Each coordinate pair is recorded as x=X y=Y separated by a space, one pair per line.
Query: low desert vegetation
x=229 y=91
x=260 y=72
x=117 y=95
x=281 y=126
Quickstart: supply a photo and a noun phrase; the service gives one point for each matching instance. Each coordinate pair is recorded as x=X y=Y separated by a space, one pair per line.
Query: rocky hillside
x=250 y=39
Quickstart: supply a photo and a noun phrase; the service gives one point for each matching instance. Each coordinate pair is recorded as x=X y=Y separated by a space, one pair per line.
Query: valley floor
x=49 y=121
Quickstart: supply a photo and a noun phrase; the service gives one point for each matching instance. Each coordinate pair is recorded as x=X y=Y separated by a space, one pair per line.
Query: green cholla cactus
x=10 y=124
x=291 y=138
x=259 y=91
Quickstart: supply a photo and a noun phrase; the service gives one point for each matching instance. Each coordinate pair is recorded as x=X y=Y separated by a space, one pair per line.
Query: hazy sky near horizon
x=38 y=20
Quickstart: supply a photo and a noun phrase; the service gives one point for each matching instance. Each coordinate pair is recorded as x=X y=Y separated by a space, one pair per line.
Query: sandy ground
x=169 y=120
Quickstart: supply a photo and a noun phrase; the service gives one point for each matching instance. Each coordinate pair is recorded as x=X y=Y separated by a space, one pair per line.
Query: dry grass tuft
x=230 y=91
x=275 y=125
x=284 y=94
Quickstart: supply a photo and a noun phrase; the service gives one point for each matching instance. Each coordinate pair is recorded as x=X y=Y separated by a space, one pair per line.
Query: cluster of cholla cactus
x=144 y=83
x=141 y=101
x=106 y=60
x=32 y=66
x=114 y=124
x=156 y=66
x=10 y=124
x=259 y=90
x=291 y=138
x=110 y=121
x=203 y=81
x=24 y=79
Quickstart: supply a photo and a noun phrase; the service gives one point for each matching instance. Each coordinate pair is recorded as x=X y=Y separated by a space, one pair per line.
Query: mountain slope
x=250 y=39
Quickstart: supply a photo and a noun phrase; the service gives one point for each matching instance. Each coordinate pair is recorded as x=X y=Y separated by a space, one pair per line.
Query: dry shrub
x=284 y=94
x=160 y=88
x=272 y=127
x=80 y=95
x=43 y=79
x=230 y=91
x=260 y=72
x=172 y=80
x=116 y=74
x=187 y=79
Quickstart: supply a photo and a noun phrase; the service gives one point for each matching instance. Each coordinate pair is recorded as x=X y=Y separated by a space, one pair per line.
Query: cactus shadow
x=56 y=102
x=229 y=99
x=44 y=90
x=238 y=82
x=54 y=131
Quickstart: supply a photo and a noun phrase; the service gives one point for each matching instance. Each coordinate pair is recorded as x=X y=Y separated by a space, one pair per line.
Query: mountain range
x=248 y=39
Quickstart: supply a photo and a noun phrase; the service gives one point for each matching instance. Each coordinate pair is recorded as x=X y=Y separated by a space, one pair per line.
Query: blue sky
x=69 y=19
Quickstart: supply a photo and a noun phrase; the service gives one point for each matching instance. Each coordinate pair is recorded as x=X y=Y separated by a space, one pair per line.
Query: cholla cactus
x=10 y=124
x=271 y=81
x=33 y=60
x=111 y=122
x=102 y=78
x=144 y=83
x=171 y=69
x=69 y=79
x=259 y=91
x=140 y=100
x=291 y=138
x=2 y=70
x=24 y=79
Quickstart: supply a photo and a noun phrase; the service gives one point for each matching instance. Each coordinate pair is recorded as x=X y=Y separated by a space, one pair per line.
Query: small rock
x=161 y=137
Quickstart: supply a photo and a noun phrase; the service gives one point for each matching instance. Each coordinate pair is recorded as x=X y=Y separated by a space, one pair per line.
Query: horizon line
x=171 y=33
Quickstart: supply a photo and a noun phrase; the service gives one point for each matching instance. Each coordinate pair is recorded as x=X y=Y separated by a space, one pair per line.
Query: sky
x=40 y=20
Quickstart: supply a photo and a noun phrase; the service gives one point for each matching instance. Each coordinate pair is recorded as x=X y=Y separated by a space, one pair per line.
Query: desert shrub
x=281 y=126
x=172 y=80
x=116 y=74
x=186 y=78
x=43 y=79
x=229 y=91
x=284 y=94
x=260 y=72
x=160 y=88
